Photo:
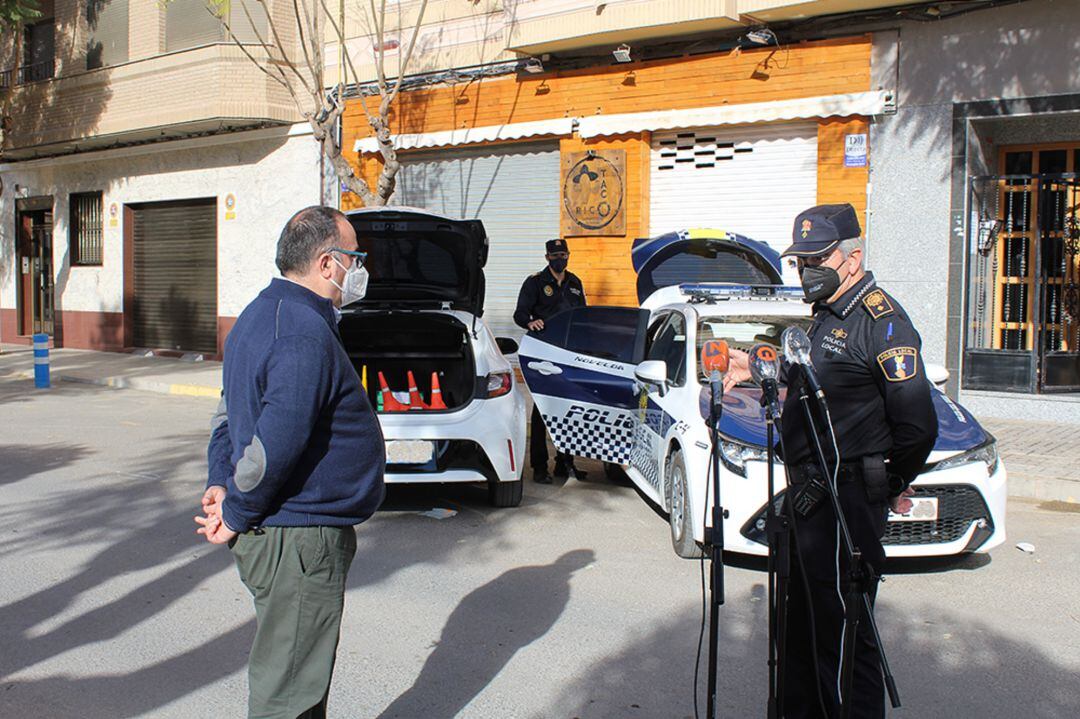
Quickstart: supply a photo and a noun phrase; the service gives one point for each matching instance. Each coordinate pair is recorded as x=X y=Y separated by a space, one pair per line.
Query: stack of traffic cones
x=390 y=403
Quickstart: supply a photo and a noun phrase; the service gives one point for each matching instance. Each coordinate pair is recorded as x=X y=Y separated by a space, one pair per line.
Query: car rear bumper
x=483 y=440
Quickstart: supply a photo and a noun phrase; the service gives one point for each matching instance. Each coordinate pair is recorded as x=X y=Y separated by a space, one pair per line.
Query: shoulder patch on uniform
x=548 y=291
x=878 y=304
x=899 y=363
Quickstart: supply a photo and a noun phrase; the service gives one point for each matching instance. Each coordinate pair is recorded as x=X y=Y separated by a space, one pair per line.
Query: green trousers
x=297 y=578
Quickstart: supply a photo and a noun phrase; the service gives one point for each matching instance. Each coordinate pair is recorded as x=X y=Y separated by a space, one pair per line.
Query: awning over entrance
x=855 y=103
x=473 y=135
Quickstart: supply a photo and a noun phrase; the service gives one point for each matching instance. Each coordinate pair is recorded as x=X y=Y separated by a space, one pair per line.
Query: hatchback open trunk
x=395 y=343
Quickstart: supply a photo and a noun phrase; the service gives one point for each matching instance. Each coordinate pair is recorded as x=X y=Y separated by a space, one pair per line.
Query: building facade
x=147 y=167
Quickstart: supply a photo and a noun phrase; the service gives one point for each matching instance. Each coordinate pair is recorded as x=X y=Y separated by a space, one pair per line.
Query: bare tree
x=300 y=68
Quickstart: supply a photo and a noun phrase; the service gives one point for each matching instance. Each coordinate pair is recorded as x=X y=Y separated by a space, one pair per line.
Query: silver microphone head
x=796 y=345
x=763 y=363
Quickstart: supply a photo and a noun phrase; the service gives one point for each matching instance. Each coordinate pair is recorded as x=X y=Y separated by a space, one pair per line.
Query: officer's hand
x=738 y=368
x=900 y=503
x=536 y=325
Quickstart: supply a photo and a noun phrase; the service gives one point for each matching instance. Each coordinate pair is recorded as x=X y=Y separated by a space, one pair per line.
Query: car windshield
x=744 y=331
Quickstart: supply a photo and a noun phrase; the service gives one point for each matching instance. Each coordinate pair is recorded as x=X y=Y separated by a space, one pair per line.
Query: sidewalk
x=1042 y=458
x=119 y=370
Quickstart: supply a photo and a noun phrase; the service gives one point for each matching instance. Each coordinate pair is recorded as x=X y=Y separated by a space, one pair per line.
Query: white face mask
x=354 y=286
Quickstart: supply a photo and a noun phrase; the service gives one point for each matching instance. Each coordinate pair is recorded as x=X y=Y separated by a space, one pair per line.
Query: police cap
x=820 y=229
x=556 y=245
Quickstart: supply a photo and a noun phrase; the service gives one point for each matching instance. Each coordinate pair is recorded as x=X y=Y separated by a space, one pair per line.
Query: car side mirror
x=506 y=345
x=937 y=374
x=653 y=373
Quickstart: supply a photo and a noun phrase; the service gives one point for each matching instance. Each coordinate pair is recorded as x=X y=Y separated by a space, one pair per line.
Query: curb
x=184 y=390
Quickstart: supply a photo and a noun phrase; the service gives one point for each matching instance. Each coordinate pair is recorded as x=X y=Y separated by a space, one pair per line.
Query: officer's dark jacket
x=542 y=297
x=867 y=356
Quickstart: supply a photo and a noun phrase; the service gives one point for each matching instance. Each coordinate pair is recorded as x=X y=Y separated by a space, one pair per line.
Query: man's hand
x=212 y=525
x=536 y=325
x=738 y=368
x=900 y=503
x=214 y=529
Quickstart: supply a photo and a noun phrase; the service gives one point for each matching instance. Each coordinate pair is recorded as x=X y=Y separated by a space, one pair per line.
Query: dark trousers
x=815 y=543
x=296 y=576
x=538 y=448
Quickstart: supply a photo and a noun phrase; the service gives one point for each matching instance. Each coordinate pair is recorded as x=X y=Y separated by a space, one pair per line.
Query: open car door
x=580 y=371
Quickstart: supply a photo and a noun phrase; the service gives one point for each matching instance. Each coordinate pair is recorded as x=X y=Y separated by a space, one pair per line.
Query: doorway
x=34 y=267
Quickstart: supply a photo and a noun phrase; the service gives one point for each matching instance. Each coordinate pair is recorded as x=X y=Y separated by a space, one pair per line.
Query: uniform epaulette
x=877 y=303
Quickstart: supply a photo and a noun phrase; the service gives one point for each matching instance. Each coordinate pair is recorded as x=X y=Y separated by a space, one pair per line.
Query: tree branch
x=408 y=54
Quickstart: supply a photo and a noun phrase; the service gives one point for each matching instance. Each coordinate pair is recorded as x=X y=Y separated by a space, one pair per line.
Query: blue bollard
x=41 y=361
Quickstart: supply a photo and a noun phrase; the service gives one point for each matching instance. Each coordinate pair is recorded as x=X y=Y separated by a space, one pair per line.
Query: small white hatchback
x=445 y=393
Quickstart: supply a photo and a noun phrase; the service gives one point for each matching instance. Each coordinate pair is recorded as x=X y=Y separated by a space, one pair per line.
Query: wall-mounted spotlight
x=622 y=53
x=761 y=36
x=533 y=65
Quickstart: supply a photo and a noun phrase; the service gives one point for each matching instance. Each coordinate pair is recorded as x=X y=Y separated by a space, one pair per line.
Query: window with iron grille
x=86 y=228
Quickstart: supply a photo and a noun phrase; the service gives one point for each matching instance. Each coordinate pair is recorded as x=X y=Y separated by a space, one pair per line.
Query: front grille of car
x=958 y=506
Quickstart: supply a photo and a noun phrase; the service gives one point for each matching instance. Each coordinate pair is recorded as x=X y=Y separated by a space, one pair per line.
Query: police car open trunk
x=424 y=343
x=424 y=295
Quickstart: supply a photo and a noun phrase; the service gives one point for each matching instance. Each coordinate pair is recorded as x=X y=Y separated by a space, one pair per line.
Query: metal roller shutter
x=175 y=282
x=748 y=179
x=513 y=189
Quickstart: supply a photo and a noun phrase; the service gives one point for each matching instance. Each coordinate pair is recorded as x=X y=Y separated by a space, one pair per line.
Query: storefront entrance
x=1023 y=311
x=34 y=266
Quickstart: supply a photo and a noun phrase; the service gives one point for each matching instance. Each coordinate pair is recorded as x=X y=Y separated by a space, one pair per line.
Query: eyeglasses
x=357 y=256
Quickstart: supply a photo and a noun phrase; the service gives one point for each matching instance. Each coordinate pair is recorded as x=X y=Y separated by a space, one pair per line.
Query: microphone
x=764 y=369
x=714 y=361
x=797 y=349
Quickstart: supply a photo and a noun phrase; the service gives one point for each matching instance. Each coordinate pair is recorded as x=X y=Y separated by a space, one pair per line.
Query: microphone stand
x=715 y=540
x=779 y=567
x=856 y=597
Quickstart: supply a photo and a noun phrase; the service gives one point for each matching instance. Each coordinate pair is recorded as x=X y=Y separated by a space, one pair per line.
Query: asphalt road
x=572 y=605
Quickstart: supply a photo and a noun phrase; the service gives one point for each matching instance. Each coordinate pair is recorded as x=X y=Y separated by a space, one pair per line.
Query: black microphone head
x=763 y=363
x=796 y=345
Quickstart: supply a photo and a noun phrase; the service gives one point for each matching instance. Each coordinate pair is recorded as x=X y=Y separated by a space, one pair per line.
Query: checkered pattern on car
x=605 y=442
x=643 y=456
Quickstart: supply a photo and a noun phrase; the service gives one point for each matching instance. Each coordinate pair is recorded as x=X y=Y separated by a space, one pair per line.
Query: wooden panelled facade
x=804 y=70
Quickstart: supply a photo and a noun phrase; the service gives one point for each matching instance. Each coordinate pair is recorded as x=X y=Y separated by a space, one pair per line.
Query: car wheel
x=505 y=494
x=682 y=536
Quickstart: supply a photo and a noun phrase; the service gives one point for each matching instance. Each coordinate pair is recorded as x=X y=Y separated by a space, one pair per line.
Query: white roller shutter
x=749 y=179
x=513 y=189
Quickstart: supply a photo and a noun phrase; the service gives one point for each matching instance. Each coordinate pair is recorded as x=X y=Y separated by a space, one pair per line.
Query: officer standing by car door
x=543 y=295
x=867 y=357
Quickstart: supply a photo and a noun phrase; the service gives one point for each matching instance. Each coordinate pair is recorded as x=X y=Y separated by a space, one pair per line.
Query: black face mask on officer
x=819 y=282
x=558 y=264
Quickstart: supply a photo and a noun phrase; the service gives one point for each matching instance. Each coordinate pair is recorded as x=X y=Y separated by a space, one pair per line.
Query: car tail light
x=499 y=383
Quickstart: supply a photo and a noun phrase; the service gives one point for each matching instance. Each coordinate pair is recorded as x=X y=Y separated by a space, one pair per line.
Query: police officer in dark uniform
x=543 y=295
x=867 y=357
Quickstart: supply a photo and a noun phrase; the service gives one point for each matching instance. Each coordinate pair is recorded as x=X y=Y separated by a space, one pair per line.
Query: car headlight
x=735 y=455
x=986 y=453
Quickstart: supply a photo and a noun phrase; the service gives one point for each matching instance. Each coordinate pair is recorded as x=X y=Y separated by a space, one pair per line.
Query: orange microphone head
x=714 y=356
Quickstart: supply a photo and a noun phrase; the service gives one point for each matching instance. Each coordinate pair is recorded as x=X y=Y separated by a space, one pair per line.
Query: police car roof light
x=703 y=292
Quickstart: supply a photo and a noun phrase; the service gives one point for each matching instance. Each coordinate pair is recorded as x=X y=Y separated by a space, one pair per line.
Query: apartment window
x=86 y=228
x=39 y=52
x=188 y=23
x=108 y=24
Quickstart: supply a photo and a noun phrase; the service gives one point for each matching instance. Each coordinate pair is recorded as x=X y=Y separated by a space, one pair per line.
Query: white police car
x=624 y=386
x=419 y=325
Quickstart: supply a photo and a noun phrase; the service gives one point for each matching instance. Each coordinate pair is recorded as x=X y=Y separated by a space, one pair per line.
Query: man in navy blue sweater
x=296 y=460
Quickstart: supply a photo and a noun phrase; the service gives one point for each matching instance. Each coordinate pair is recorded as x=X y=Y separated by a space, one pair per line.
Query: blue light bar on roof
x=706 y=292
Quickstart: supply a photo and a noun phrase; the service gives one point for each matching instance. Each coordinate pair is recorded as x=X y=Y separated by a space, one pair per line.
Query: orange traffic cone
x=390 y=403
x=436 y=393
x=416 y=402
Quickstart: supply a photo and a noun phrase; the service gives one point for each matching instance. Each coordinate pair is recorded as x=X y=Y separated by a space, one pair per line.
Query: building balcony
x=198 y=91
x=551 y=26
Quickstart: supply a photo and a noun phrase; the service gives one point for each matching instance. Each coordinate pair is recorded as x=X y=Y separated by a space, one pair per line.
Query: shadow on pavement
x=484 y=632
x=19 y=461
